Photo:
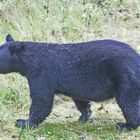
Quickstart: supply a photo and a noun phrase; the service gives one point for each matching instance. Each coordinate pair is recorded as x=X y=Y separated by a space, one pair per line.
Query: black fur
x=91 y=71
x=9 y=38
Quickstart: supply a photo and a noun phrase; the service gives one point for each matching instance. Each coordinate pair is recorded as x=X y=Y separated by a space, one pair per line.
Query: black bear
x=90 y=71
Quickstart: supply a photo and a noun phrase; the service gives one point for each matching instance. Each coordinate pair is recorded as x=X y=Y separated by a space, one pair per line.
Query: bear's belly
x=90 y=95
x=87 y=87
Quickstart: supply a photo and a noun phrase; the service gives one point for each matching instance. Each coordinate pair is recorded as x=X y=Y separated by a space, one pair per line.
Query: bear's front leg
x=42 y=101
x=40 y=108
x=23 y=123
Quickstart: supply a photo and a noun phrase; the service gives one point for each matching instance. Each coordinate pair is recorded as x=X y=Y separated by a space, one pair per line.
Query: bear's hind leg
x=84 y=108
x=130 y=106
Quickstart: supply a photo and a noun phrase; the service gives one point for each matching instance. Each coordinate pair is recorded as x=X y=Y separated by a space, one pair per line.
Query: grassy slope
x=64 y=21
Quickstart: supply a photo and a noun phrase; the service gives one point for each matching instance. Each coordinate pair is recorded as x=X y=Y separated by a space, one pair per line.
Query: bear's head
x=8 y=54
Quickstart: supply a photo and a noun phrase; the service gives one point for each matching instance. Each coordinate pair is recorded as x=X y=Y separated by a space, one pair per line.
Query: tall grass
x=67 y=20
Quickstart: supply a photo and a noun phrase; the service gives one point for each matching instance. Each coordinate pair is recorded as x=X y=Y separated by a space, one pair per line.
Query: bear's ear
x=9 y=38
x=16 y=48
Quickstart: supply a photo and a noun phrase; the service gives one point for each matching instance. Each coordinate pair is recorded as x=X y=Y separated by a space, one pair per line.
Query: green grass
x=69 y=21
x=64 y=21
